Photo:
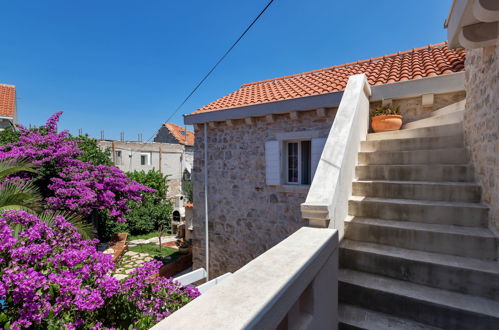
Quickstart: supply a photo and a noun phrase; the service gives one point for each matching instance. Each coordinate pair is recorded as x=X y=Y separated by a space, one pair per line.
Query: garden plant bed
x=136 y=256
x=117 y=245
x=179 y=263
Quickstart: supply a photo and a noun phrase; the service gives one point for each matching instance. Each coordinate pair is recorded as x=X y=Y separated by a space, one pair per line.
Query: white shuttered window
x=272 y=163
x=292 y=162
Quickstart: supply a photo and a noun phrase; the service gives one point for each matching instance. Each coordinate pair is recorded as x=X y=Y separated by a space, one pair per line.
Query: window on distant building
x=118 y=158
x=145 y=159
x=298 y=157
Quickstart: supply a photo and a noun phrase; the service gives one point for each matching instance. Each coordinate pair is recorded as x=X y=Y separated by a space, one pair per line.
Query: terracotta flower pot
x=385 y=123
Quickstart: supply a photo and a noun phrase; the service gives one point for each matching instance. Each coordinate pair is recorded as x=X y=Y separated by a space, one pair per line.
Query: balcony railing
x=291 y=286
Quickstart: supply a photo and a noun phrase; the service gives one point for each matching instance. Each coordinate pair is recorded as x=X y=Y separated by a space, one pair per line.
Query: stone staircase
x=417 y=253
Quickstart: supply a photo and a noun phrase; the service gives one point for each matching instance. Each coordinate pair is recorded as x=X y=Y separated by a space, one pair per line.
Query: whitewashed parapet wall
x=327 y=200
x=291 y=286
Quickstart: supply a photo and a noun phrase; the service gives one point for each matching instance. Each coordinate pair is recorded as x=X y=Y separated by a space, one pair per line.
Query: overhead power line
x=220 y=60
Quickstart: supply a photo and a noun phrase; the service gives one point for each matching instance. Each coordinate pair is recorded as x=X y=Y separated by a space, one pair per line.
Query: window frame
x=148 y=158
x=300 y=157
x=118 y=154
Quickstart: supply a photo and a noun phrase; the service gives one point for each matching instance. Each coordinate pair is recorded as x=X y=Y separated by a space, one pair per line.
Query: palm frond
x=21 y=195
x=10 y=166
x=85 y=229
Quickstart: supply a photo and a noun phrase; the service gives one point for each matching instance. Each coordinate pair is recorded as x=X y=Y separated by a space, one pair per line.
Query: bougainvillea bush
x=52 y=278
x=67 y=182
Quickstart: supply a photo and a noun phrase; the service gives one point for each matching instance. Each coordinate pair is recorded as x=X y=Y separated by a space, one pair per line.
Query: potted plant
x=386 y=118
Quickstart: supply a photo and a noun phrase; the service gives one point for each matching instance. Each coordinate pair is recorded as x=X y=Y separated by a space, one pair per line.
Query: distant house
x=169 y=158
x=172 y=133
x=8 y=111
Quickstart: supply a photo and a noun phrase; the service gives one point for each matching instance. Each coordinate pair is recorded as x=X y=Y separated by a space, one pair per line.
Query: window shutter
x=272 y=163
x=317 y=147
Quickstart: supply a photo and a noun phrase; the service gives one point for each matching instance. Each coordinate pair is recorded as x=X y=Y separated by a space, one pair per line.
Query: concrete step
x=471 y=242
x=434 y=172
x=419 y=190
x=355 y=317
x=458 y=106
x=426 y=305
x=423 y=143
x=443 y=130
x=443 y=271
x=435 y=212
x=435 y=156
x=436 y=120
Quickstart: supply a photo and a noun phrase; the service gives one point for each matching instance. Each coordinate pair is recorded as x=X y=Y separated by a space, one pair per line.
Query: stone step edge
x=425 y=294
x=380 y=134
x=367 y=319
x=470 y=166
x=451 y=261
x=423 y=183
x=477 y=232
x=459 y=137
x=421 y=202
x=454 y=107
x=445 y=116
x=456 y=149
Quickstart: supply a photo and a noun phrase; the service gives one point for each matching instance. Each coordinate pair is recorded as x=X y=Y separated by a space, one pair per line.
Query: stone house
x=264 y=142
x=8 y=111
x=171 y=153
x=173 y=133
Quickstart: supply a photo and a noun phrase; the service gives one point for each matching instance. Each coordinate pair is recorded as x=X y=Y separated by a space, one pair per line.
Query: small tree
x=155 y=211
x=91 y=152
x=187 y=190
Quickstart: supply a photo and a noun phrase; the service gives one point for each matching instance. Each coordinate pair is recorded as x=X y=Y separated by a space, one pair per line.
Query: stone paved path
x=153 y=240
x=128 y=262
x=131 y=260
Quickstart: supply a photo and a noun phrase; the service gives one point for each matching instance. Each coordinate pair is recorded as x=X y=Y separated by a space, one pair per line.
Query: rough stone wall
x=164 y=136
x=481 y=123
x=174 y=188
x=247 y=217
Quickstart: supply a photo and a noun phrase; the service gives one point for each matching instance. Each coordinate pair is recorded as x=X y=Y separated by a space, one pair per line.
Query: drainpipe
x=206 y=201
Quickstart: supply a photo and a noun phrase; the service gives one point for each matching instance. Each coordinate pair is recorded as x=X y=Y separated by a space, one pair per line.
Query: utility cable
x=219 y=61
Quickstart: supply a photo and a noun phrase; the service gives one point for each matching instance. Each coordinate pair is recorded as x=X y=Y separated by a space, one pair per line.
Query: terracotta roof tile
x=416 y=63
x=7 y=100
x=182 y=135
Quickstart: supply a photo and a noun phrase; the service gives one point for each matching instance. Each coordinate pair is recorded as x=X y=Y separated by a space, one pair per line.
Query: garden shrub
x=68 y=183
x=146 y=217
x=155 y=210
x=51 y=278
x=187 y=190
x=91 y=152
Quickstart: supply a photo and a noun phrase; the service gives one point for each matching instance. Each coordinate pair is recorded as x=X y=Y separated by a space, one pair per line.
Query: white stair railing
x=327 y=200
x=198 y=275
x=294 y=285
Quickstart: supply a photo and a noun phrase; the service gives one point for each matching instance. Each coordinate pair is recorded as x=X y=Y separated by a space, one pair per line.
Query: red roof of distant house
x=7 y=100
x=431 y=60
x=182 y=135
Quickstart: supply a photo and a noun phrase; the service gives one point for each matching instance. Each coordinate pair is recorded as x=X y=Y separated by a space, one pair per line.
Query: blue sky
x=126 y=65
